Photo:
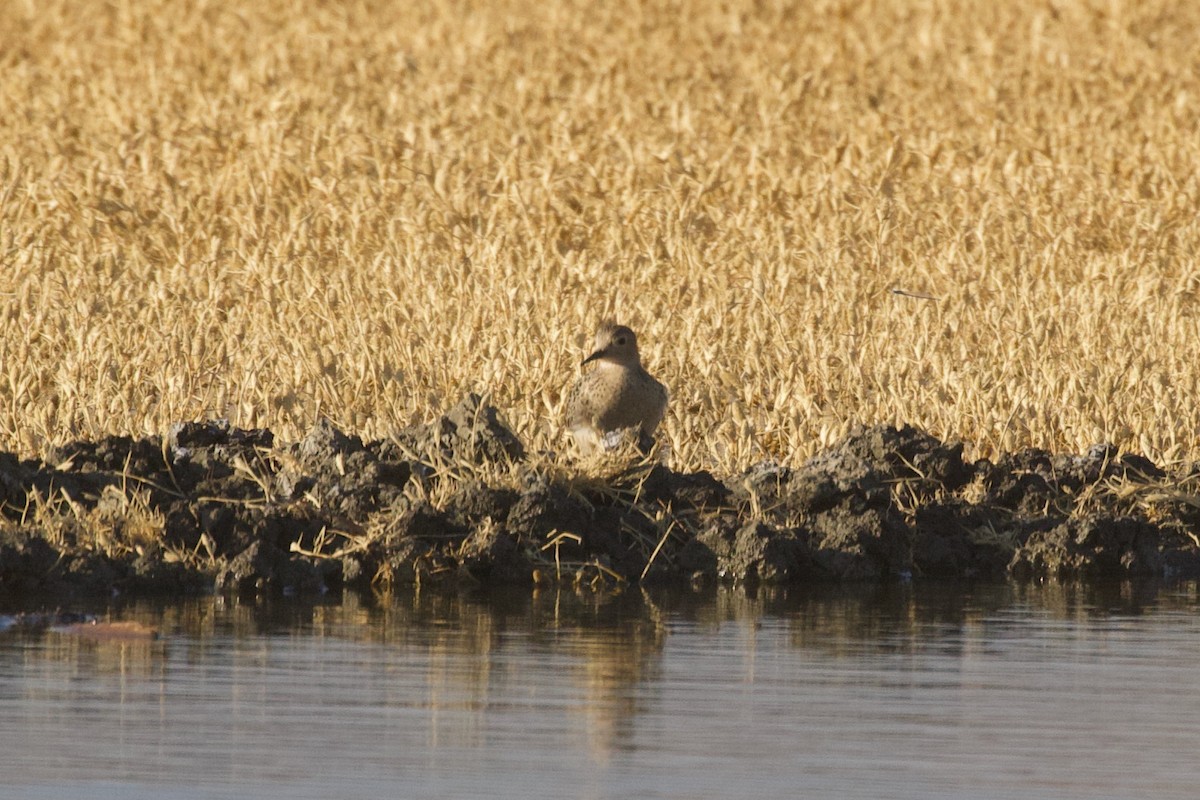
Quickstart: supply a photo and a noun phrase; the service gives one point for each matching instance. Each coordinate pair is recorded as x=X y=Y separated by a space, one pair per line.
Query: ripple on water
x=984 y=692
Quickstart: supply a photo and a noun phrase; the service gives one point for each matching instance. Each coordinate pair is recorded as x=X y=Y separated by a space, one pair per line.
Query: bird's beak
x=593 y=357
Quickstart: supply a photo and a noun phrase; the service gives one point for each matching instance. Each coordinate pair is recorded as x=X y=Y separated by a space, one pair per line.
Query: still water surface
x=903 y=692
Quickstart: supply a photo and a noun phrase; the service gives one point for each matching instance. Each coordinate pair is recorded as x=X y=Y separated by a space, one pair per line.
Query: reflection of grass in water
x=274 y=211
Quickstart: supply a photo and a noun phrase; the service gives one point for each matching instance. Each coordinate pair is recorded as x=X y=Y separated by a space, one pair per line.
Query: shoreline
x=459 y=502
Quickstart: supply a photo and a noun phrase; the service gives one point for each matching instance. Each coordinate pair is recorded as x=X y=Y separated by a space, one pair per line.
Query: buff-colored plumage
x=615 y=394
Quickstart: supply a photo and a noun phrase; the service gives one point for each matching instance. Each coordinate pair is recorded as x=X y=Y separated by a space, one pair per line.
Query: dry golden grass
x=276 y=210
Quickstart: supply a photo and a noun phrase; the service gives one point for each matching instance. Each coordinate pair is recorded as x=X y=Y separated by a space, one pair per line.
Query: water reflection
x=824 y=688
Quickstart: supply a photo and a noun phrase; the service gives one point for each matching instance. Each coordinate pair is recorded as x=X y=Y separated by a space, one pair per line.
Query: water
x=902 y=692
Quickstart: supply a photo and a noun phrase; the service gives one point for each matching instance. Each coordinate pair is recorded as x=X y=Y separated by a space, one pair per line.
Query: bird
x=616 y=395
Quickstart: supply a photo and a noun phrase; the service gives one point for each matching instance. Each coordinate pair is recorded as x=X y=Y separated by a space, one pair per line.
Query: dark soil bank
x=458 y=500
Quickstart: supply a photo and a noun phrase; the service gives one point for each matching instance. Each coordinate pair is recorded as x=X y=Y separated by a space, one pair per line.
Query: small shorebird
x=615 y=395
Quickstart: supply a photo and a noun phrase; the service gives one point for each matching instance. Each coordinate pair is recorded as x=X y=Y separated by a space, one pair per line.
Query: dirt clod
x=458 y=500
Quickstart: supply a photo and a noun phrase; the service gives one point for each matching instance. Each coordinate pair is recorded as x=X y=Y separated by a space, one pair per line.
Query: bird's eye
x=620 y=341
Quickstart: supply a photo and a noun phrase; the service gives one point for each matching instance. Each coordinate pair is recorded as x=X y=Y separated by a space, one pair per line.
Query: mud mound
x=457 y=500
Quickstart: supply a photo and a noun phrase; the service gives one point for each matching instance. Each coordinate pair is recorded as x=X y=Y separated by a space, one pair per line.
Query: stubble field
x=978 y=218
